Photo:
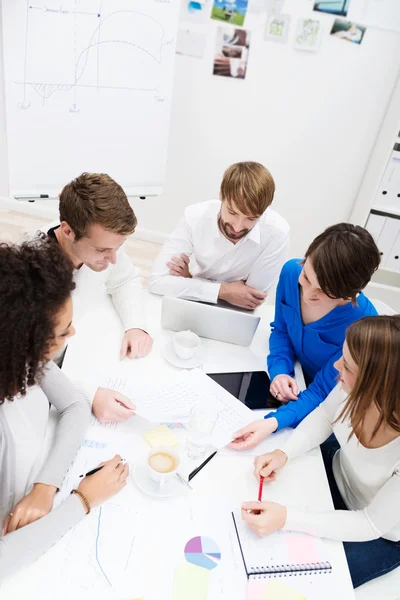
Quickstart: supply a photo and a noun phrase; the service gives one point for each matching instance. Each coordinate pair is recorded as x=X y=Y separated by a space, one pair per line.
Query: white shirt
x=256 y=259
x=368 y=479
x=121 y=281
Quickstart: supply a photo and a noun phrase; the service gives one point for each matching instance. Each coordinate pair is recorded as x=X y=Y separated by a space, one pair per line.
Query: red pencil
x=260 y=489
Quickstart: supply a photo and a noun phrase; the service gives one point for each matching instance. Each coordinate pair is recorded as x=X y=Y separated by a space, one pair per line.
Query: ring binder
x=265 y=571
x=287 y=570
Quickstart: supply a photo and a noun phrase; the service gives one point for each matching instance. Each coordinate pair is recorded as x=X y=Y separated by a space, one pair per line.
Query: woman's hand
x=105 y=483
x=284 y=388
x=264 y=517
x=32 y=507
x=266 y=465
x=253 y=434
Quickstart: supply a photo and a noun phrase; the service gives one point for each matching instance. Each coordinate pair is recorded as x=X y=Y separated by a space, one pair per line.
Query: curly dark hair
x=36 y=279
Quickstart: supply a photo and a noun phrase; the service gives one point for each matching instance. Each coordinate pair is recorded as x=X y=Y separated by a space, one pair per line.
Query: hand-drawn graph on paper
x=100 y=45
x=101 y=552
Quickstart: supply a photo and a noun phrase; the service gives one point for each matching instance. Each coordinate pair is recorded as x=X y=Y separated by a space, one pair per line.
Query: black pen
x=92 y=472
x=203 y=464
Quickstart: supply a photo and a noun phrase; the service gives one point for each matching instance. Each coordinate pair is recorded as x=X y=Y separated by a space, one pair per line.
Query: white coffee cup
x=186 y=344
x=162 y=464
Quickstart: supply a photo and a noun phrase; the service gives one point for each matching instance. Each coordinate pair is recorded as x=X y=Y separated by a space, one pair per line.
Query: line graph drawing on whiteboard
x=97 y=46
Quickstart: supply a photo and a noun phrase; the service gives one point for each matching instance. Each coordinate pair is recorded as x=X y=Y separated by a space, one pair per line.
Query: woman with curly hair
x=35 y=321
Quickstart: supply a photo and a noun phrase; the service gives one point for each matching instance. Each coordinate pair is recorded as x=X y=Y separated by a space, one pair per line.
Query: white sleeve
x=374 y=521
x=125 y=287
x=160 y=280
x=265 y=270
x=315 y=428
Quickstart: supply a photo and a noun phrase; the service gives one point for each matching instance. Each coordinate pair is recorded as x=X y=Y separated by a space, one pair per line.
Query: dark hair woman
x=317 y=299
x=35 y=320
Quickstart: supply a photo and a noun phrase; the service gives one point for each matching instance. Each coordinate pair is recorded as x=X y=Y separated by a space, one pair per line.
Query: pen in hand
x=259 y=499
x=96 y=470
x=260 y=489
x=92 y=472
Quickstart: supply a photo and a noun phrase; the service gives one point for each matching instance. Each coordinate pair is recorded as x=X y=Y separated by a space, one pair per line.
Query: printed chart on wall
x=308 y=35
x=87 y=77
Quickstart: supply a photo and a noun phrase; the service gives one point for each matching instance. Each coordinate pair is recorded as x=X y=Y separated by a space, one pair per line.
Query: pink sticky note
x=257 y=589
x=302 y=549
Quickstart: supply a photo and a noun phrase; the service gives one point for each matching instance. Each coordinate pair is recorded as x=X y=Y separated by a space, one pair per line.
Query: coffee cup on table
x=186 y=344
x=162 y=464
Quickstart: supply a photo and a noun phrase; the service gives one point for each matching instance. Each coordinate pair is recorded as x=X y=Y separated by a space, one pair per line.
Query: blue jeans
x=366 y=560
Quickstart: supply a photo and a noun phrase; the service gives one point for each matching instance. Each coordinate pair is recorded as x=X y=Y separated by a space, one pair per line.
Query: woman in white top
x=35 y=320
x=362 y=462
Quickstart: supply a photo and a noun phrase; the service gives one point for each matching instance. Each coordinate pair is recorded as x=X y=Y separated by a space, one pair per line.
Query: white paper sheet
x=173 y=400
x=190 y=43
x=384 y=14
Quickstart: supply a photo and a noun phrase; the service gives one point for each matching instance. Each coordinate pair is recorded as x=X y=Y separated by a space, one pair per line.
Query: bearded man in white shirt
x=95 y=221
x=230 y=249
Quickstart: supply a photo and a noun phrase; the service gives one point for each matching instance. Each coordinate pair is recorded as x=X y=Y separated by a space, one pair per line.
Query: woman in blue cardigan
x=317 y=299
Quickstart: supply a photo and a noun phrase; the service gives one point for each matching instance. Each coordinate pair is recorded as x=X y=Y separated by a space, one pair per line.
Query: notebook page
x=281 y=551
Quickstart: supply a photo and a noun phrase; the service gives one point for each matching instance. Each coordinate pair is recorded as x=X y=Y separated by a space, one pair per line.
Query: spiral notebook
x=282 y=554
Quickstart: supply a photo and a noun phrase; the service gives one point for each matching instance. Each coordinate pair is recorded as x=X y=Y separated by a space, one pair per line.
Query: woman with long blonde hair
x=362 y=458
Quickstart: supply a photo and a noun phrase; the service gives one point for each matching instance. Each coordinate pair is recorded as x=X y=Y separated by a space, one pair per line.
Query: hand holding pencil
x=266 y=465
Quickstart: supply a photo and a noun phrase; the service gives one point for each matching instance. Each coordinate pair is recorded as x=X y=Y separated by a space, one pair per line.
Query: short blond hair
x=249 y=186
x=96 y=199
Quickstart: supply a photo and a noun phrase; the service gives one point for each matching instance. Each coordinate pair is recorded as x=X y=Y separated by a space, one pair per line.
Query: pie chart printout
x=203 y=552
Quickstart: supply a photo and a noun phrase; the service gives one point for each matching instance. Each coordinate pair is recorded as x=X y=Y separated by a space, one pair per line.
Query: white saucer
x=173 y=487
x=191 y=363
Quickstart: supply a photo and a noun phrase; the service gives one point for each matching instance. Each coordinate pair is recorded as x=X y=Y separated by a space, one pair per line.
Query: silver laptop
x=209 y=320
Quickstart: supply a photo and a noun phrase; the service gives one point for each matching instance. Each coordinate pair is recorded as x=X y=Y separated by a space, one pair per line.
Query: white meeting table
x=95 y=349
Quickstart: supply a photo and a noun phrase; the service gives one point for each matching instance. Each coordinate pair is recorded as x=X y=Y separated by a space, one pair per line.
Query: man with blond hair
x=95 y=220
x=230 y=249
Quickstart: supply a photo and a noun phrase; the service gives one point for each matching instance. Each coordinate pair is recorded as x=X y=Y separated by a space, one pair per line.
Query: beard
x=227 y=230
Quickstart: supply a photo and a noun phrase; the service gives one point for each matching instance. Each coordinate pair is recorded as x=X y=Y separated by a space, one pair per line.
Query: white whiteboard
x=88 y=88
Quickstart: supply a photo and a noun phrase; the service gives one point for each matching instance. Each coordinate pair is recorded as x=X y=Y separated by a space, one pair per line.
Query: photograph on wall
x=230 y=11
x=308 y=35
x=347 y=30
x=231 y=52
x=195 y=11
x=277 y=28
x=339 y=8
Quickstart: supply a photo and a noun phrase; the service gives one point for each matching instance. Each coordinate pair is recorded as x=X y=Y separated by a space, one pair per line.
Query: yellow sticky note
x=190 y=582
x=278 y=590
x=160 y=436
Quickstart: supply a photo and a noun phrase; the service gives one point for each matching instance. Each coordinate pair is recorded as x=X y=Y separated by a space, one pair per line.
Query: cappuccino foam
x=162 y=462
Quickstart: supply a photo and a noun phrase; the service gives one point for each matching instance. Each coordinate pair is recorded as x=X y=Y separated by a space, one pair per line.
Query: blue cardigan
x=316 y=345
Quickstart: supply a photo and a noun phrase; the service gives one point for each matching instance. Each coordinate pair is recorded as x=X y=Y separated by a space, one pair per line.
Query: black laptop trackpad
x=251 y=388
